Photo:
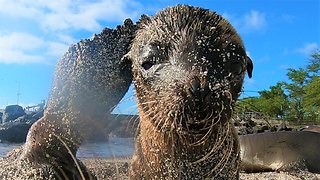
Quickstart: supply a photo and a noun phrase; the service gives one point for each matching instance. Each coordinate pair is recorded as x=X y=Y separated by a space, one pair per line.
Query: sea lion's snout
x=198 y=93
x=197 y=90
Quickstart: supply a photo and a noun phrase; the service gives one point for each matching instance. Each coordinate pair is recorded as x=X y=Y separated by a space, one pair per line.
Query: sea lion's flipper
x=89 y=81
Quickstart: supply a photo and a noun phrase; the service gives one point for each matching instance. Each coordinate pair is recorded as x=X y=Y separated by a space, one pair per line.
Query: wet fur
x=178 y=49
x=89 y=81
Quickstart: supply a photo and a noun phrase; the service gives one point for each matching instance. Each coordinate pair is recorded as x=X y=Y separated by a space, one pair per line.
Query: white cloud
x=22 y=41
x=251 y=21
x=308 y=48
x=18 y=57
x=66 y=39
x=19 y=9
x=22 y=48
x=18 y=47
x=56 y=49
x=66 y=14
x=54 y=23
x=254 y=20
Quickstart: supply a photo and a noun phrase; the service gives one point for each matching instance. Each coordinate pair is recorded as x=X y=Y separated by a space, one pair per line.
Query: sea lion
x=188 y=67
x=280 y=151
x=90 y=79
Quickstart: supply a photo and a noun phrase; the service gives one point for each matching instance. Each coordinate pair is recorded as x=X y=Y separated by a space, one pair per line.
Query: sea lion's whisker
x=213 y=149
x=148 y=102
x=163 y=128
x=71 y=154
x=206 y=136
x=226 y=155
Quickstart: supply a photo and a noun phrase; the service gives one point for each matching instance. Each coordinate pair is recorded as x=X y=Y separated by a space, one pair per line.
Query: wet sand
x=117 y=168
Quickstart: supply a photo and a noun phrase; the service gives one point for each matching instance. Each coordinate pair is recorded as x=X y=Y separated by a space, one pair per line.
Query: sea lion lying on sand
x=280 y=151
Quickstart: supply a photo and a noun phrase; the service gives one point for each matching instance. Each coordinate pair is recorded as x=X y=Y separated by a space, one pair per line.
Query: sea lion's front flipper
x=89 y=81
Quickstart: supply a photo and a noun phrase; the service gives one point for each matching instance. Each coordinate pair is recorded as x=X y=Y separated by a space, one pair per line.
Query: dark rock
x=21 y=119
x=38 y=115
x=283 y=127
x=246 y=126
x=264 y=128
x=15 y=132
x=12 y=112
x=251 y=123
x=1 y=117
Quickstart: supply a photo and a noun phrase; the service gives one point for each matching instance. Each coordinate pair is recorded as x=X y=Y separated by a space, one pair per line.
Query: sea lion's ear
x=249 y=66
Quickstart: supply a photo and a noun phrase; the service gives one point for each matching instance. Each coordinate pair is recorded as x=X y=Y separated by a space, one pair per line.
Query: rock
x=283 y=127
x=12 y=112
x=38 y=115
x=14 y=132
x=264 y=128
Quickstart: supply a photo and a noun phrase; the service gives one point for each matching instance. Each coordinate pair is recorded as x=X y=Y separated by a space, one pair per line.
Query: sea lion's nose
x=194 y=86
x=197 y=89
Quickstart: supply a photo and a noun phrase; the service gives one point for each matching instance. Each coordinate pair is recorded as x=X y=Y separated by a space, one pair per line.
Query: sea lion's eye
x=147 y=65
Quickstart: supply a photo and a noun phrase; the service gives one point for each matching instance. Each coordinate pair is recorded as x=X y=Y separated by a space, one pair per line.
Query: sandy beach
x=117 y=168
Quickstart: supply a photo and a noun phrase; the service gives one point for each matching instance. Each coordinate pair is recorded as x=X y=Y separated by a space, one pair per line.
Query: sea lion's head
x=188 y=66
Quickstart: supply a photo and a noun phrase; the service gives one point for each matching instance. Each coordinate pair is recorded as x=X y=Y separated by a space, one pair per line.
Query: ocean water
x=7 y=147
x=115 y=147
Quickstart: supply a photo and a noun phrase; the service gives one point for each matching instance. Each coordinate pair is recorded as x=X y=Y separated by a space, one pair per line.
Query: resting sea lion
x=188 y=68
x=90 y=79
x=278 y=151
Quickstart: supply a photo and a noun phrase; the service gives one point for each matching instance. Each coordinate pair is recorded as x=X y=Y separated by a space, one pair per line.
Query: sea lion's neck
x=172 y=156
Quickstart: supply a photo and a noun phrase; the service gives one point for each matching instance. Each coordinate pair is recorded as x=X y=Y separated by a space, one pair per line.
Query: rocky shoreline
x=15 y=123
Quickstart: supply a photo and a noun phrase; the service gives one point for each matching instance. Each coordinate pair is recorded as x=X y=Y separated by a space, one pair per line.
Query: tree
x=314 y=63
x=311 y=99
x=297 y=99
x=303 y=90
x=274 y=102
x=247 y=105
x=296 y=92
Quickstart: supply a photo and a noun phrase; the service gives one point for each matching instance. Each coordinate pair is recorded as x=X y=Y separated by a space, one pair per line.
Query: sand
x=117 y=168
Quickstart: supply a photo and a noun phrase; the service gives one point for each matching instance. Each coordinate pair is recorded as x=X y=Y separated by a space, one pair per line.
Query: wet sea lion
x=188 y=67
x=90 y=79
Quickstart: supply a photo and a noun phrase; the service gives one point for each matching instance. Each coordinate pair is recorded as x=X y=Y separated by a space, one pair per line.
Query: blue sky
x=278 y=34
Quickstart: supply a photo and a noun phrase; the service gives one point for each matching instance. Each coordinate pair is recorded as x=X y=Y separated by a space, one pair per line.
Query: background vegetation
x=297 y=100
